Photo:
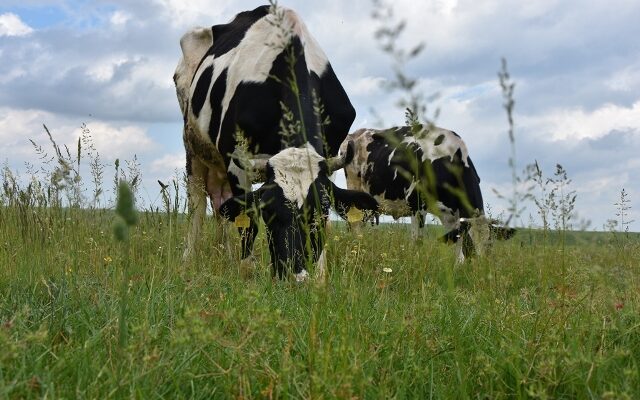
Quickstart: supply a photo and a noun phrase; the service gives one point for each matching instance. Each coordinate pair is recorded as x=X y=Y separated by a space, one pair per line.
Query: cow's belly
x=395 y=208
x=215 y=173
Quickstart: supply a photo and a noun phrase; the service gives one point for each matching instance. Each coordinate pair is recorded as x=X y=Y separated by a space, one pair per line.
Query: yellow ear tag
x=242 y=221
x=354 y=215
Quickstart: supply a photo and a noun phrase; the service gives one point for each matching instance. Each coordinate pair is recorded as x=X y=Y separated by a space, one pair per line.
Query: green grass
x=534 y=319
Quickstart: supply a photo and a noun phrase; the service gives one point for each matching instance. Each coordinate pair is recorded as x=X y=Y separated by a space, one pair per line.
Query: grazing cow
x=259 y=97
x=414 y=170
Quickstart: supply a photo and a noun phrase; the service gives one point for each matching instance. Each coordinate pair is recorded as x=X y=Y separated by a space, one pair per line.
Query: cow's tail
x=350 y=153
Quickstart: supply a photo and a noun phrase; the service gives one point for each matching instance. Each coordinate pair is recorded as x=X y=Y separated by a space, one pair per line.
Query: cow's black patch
x=201 y=90
x=337 y=109
x=439 y=140
x=215 y=99
x=188 y=165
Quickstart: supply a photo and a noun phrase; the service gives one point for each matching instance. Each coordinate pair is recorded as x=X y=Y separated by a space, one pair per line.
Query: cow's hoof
x=302 y=276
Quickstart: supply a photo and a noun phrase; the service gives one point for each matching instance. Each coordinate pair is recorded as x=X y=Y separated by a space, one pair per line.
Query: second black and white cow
x=419 y=170
x=255 y=89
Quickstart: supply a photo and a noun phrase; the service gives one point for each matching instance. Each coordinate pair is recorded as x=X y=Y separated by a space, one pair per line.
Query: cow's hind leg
x=196 y=193
x=417 y=225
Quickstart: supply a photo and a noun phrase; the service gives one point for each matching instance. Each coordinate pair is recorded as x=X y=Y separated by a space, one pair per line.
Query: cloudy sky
x=109 y=64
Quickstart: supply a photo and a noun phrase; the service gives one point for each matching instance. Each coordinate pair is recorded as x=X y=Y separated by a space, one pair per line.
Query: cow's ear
x=237 y=205
x=345 y=199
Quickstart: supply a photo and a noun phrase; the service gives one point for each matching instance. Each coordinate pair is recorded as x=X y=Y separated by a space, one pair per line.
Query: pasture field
x=539 y=317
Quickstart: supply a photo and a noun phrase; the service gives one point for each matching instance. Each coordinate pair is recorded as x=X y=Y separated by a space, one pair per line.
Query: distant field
x=533 y=319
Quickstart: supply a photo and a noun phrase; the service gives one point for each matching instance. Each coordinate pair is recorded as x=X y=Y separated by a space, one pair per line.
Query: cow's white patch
x=302 y=276
x=206 y=112
x=316 y=60
x=393 y=153
x=459 y=252
x=448 y=144
x=410 y=189
x=295 y=169
x=321 y=266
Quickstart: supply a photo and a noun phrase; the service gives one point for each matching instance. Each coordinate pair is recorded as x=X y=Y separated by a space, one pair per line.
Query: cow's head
x=294 y=203
x=475 y=236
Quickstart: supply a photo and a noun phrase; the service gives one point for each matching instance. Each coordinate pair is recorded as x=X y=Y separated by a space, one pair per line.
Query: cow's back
x=243 y=83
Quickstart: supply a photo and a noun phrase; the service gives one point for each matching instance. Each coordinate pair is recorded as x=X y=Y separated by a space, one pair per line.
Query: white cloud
x=166 y=167
x=120 y=18
x=182 y=13
x=365 y=86
x=576 y=123
x=626 y=80
x=114 y=141
x=168 y=163
x=17 y=127
x=110 y=140
x=12 y=25
x=103 y=70
x=13 y=73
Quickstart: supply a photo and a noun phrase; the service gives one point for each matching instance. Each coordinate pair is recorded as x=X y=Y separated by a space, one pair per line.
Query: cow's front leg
x=453 y=229
x=247 y=238
x=246 y=222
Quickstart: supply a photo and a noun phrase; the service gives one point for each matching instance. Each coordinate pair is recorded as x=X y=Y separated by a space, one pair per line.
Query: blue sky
x=577 y=72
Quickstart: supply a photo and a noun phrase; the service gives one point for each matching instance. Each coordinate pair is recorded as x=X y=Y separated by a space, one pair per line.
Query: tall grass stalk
x=126 y=217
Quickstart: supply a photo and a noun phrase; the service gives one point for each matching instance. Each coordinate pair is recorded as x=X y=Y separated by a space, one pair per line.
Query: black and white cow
x=419 y=170
x=235 y=83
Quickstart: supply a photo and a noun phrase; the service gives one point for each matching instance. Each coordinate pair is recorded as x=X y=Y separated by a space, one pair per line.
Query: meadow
x=548 y=314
